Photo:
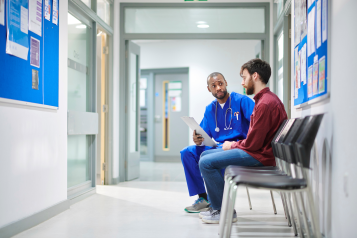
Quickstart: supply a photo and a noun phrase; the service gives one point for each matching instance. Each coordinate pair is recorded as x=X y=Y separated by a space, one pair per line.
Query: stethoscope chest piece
x=217 y=129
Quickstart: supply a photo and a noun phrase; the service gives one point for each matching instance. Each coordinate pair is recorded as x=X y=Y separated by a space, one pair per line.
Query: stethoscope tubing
x=225 y=117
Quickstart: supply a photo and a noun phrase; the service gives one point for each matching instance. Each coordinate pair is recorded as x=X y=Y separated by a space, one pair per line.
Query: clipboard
x=191 y=122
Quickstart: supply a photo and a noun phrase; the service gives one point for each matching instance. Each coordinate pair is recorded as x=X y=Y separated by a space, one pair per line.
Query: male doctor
x=226 y=119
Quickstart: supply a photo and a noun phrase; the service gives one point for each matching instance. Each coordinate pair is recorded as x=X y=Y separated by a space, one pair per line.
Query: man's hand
x=197 y=138
x=227 y=145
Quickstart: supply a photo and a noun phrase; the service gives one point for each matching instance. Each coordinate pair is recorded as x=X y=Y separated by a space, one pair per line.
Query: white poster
x=311 y=32
x=55 y=12
x=303 y=19
x=35 y=20
x=303 y=64
x=324 y=20
x=48 y=8
x=297 y=69
x=17 y=42
x=2 y=12
x=318 y=24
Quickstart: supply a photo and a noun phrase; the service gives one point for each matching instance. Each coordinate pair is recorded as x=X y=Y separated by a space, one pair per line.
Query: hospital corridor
x=177 y=118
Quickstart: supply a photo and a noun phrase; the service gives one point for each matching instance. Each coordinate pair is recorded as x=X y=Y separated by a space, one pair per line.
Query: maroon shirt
x=267 y=116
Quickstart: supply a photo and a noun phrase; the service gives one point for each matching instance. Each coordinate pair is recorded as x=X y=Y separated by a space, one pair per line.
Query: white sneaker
x=214 y=217
x=206 y=213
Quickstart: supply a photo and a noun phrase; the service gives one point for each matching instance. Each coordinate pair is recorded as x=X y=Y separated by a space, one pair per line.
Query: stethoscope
x=225 y=118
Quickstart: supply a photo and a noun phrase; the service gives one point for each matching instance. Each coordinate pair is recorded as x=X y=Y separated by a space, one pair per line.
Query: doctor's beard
x=221 y=97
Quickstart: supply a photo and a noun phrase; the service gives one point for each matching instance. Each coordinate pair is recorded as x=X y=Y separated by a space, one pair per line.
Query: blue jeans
x=210 y=164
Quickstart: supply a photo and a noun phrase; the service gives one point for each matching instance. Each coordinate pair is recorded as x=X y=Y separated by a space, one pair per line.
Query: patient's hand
x=227 y=145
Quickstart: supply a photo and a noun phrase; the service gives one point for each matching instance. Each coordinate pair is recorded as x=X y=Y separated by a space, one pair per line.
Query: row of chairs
x=292 y=145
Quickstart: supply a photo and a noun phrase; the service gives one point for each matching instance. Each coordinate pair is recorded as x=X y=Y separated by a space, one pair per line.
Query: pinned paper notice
x=309 y=82
x=303 y=64
x=311 y=32
x=35 y=19
x=48 y=8
x=55 y=12
x=315 y=78
x=322 y=71
x=297 y=68
x=2 y=12
x=318 y=24
x=35 y=52
x=324 y=20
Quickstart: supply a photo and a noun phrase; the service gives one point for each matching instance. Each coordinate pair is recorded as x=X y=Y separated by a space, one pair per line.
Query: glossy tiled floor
x=152 y=206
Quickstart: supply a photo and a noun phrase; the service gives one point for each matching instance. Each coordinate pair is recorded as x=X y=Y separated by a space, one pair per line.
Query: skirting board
x=42 y=216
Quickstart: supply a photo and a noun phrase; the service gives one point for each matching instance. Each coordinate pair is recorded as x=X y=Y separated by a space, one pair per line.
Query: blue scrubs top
x=241 y=105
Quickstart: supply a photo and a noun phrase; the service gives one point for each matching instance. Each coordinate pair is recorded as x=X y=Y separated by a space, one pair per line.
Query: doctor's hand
x=227 y=145
x=197 y=138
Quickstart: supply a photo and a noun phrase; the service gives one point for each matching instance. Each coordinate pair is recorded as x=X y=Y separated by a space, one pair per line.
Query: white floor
x=154 y=208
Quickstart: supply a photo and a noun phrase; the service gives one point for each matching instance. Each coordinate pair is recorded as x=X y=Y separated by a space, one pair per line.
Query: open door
x=132 y=162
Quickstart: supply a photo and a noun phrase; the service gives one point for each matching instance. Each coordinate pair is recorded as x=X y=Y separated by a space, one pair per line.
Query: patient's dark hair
x=259 y=66
x=215 y=74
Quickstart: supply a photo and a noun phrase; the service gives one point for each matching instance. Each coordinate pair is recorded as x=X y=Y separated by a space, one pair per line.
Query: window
x=103 y=10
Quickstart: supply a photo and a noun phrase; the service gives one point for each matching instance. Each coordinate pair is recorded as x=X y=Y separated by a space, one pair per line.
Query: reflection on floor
x=150 y=171
x=152 y=206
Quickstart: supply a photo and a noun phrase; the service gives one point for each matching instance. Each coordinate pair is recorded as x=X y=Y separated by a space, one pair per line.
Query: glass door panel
x=133 y=111
x=280 y=59
x=103 y=10
x=78 y=164
x=79 y=98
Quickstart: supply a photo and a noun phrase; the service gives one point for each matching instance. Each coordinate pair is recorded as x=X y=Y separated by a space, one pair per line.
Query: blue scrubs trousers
x=190 y=157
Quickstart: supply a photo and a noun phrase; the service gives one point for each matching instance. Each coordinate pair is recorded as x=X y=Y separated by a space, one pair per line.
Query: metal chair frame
x=230 y=191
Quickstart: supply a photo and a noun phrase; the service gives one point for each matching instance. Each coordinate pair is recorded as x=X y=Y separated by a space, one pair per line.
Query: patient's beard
x=250 y=87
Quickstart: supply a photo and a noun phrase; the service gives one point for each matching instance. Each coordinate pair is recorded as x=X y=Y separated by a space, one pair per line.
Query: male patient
x=226 y=119
x=255 y=150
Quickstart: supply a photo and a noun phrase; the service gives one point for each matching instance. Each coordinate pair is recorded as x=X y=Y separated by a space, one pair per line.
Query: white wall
x=202 y=57
x=33 y=149
x=339 y=125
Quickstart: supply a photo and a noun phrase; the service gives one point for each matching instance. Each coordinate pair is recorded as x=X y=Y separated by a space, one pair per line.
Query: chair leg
x=315 y=220
x=225 y=202
x=298 y=215
x=231 y=212
x=284 y=206
x=291 y=211
x=286 y=210
x=305 y=220
x=250 y=204
x=272 y=200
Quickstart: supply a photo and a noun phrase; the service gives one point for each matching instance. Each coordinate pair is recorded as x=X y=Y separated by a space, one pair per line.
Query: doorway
x=164 y=97
x=102 y=54
x=146 y=21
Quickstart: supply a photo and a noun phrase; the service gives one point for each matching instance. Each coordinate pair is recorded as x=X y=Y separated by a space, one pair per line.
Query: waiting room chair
x=287 y=184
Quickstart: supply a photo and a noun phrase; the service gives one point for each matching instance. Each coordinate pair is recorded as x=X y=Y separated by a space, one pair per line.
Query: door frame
x=283 y=24
x=151 y=73
x=264 y=37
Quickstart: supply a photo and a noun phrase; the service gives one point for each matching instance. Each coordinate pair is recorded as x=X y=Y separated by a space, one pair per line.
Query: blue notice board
x=16 y=73
x=310 y=50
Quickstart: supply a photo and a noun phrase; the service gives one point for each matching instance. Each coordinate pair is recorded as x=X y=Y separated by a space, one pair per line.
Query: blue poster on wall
x=310 y=54
x=17 y=21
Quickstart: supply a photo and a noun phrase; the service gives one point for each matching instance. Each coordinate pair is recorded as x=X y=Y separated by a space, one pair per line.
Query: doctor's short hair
x=215 y=74
x=258 y=66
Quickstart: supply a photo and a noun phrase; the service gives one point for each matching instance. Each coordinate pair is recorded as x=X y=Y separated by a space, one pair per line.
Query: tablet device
x=191 y=122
